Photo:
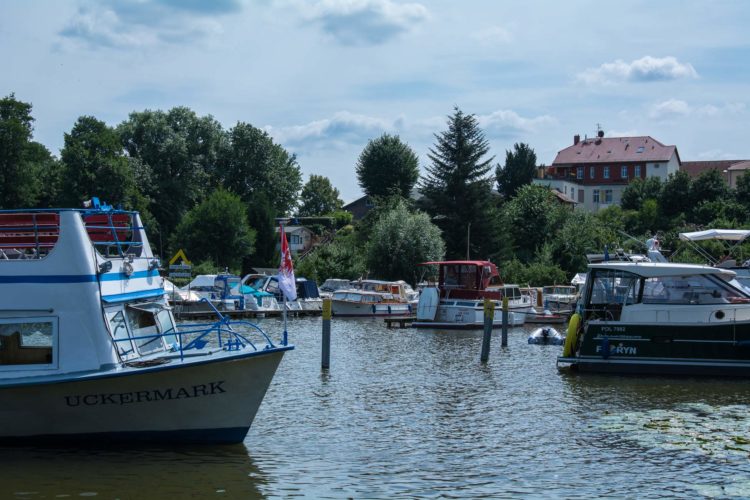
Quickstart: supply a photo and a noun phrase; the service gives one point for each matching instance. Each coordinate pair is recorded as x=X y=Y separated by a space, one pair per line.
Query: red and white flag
x=287 y=283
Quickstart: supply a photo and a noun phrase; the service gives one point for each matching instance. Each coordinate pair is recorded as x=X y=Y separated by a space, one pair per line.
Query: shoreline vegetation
x=217 y=194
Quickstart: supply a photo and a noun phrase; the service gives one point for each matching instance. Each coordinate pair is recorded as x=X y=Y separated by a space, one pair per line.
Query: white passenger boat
x=89 y=349
x=457 y=300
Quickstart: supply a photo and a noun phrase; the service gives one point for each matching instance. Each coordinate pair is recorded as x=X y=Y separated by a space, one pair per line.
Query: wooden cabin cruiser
x=89 y=349
x=660 y=318
x=457 y=301
x=559 y=298
x=520 y=303
x=333 y=284
x=364 y=303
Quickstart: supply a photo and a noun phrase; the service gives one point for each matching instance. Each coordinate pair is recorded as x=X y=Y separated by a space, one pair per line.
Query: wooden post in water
x=539 y=300
x=489 y=317
x=504 y=338
x=326 y=351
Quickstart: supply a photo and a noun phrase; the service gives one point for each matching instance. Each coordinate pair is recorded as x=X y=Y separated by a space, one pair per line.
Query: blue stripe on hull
x=229 y=435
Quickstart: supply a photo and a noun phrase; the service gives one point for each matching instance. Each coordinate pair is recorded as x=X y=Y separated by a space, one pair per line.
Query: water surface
x=413 y=413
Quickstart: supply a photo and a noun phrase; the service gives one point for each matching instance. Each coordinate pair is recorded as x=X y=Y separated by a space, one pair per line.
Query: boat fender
x=389 y=309
x=571 y=339
x=408 y=307
x=605 y=348
x=373 y=309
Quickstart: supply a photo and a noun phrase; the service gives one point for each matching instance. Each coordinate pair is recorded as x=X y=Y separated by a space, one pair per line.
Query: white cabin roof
x=716 y=234
x=657 y=269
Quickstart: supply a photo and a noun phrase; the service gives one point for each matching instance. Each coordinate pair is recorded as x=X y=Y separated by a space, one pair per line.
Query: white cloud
x=509 y=123
x=645 y=69
x=678 y=108
x=142 y=24
x=343 y=128
x=366 y=22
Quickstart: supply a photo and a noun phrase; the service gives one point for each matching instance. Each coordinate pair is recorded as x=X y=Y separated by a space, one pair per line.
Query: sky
x=324 y=77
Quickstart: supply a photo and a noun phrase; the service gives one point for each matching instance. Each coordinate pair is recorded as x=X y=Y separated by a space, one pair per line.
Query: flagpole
x=284 y=340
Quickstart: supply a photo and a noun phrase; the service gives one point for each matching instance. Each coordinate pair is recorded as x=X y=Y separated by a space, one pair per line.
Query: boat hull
x=211 y=401
x=357 y=309
x=719 y=349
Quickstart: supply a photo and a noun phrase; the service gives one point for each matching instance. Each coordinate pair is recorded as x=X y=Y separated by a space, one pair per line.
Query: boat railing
x=31 y=234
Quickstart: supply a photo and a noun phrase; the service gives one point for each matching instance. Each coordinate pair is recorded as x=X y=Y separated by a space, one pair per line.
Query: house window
x=607 y=196
x=580 y=195
x=596 y=196
x=637 y=171
x=295 y=239
x=640 y=149
x=579 y=173
x=606 y=172
x=624 y=172
x=592 y=172
x=573 y=194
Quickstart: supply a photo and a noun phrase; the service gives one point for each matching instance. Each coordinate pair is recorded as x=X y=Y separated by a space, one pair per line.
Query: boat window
x=614 y=287
x=145 y=332
x=495 y=281
x=371 y=299
x=119 y=331
x=27 y=342
x=695 y=289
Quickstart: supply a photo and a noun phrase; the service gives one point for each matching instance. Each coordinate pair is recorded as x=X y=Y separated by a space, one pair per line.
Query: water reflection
x=127 y=472
x=413 y=413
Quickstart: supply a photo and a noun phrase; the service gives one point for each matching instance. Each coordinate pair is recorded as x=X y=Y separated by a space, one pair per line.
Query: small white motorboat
x=546 y=335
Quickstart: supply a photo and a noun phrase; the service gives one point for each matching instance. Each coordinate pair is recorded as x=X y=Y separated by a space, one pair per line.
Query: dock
x=240 y=314
x=402 y=321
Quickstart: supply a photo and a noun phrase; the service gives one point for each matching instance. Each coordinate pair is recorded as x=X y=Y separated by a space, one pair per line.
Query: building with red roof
x=594 y=172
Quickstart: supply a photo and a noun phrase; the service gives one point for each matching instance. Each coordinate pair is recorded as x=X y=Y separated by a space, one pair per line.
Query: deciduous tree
x=387 y=166
x=216 y=230
x=400 y=240
x=318 y=197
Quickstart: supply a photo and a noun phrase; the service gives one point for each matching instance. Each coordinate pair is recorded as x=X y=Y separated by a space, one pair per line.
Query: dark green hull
x=721 y=349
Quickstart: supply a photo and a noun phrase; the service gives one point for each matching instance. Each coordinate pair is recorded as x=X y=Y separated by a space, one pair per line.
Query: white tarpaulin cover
x=716 y=234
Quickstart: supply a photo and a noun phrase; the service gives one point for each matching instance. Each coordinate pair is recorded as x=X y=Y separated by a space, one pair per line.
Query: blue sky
x=324 y=77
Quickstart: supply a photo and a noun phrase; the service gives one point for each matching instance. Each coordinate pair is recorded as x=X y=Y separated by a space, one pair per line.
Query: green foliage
x=176 y=152
x=458 y=191
x=707 y=187
x=639 y=190
x=533 y=274
x=19 y=180
x=675 y=194
x=534 y=216
x=742 y=193
x=341 y=218
x=319 y=197
x=519 y=170
x=262 y=219
x=387 y=167
x=49 y=171
x=216 y=230
x=400 y=240
x=580 y=234
x=253 y=164
x=94 y=165
x=342 y=258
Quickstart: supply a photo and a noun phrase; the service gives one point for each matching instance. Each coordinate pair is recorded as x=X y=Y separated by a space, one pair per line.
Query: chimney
x=600 y=133
x=576 y=139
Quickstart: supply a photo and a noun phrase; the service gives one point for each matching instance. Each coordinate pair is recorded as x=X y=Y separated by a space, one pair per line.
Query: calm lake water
x=414 y=414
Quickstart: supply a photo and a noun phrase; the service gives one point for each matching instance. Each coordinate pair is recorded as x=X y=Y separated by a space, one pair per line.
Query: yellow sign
x=327 y=309
x=489 y=307
x=179 y=255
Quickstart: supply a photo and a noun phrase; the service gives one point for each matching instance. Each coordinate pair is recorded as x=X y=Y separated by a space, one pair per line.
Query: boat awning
x=716 y=234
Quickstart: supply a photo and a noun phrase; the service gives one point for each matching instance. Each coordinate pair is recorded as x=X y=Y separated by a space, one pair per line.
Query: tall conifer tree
x=458 y=191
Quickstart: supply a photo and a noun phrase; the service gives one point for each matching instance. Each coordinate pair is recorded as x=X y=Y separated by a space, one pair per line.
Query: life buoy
x=571 y=339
